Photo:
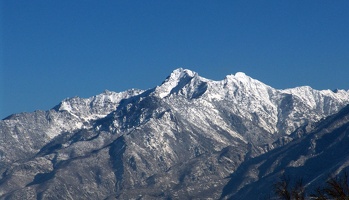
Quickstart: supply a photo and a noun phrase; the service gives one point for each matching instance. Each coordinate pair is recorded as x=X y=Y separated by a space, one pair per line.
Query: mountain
x=179 y=140
x=27 y=133
x=322 y=153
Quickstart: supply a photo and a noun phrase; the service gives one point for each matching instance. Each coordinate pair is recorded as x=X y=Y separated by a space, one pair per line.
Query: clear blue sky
x=50 y=50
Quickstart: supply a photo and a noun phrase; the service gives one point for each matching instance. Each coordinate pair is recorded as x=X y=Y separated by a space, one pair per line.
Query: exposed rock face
x=178 y=140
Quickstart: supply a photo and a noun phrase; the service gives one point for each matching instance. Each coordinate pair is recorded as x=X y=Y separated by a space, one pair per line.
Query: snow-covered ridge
x=76 y=113
x=239 y=94
x=327 y=99
x=249 y=98
x=95 y=107
x=182 y=80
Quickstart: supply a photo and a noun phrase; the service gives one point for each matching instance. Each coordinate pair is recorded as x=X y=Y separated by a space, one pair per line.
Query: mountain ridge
x=180 y=139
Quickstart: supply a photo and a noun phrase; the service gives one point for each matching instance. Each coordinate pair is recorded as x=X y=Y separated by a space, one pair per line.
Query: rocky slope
x=178 y=140
x=314 y=158
x=24 y=134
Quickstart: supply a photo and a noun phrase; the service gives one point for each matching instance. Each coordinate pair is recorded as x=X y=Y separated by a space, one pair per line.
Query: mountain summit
x=179 y=79
x=178 y=140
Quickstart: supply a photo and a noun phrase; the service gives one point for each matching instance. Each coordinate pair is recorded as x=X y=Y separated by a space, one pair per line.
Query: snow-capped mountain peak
x=178 y=140
x=180 y=72
x=177 y=80
x=242 y=76
x=241 y=79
